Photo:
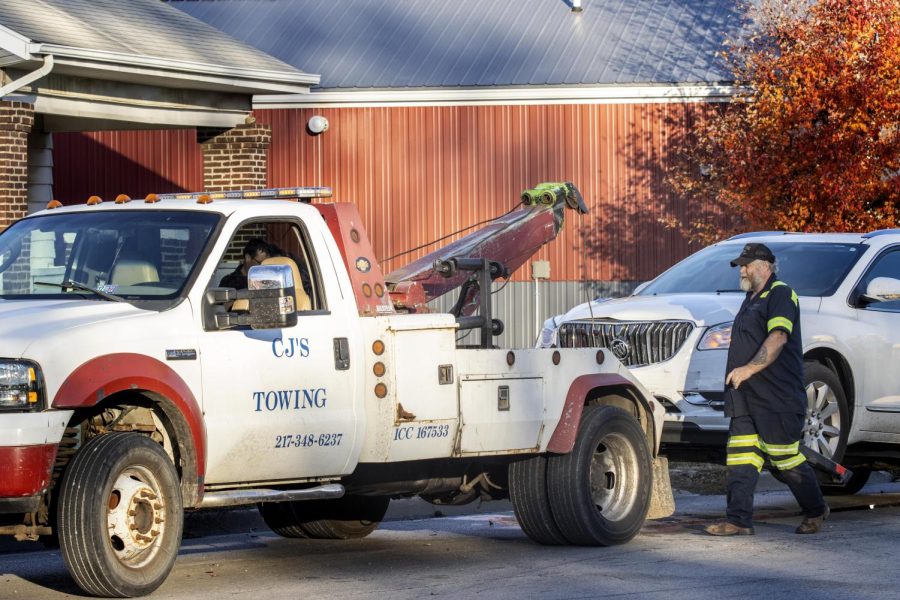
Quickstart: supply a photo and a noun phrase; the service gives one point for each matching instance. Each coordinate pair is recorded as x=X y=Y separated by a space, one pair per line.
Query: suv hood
x=702 y=309
x=23 y=322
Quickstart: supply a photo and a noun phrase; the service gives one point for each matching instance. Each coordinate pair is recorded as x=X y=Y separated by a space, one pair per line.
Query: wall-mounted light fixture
x=317 y=124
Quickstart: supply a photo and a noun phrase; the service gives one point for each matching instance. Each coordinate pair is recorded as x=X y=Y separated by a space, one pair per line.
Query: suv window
x=812 y=269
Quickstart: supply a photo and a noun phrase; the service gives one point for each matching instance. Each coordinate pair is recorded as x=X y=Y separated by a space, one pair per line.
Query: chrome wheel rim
x=822 y=428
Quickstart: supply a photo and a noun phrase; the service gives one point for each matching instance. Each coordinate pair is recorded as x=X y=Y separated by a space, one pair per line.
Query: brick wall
x=16 y=120
x=236 y=159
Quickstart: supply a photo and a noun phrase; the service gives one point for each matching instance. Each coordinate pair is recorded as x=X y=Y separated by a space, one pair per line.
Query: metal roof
x=472 y=43
x=145 y=32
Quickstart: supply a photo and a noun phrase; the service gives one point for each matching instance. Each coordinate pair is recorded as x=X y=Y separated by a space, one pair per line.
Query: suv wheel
x=827 y=416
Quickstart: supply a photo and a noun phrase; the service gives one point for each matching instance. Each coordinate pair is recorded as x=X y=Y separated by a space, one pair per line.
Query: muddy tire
x=347 y=518
x=120 y=516
x=600 y=492
x=531 y=503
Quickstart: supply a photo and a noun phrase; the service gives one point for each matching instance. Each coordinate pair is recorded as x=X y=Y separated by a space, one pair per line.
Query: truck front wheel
x=600 y=492
x=120 y=515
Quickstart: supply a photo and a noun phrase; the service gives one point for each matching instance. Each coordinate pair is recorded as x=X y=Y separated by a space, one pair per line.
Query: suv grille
x=635 y=343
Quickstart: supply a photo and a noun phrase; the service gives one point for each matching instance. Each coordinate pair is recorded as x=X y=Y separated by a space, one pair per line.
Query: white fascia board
x=258 y=79
x=611 y=94
x=15 y=44
x=172 y=117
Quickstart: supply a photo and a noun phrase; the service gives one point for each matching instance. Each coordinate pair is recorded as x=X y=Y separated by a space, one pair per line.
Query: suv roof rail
x=878 y=232
x=741 y=236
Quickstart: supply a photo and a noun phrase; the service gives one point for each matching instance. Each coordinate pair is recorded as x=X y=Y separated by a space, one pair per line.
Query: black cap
x=753 y=252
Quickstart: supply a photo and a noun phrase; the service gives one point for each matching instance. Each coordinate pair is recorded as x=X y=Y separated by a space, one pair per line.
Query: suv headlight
x=20 y=386
x=549 y=334
x=717 y=337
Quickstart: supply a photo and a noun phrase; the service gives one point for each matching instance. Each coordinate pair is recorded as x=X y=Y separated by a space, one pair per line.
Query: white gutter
x=33 y=76
x=607 y=94
x=116 y=60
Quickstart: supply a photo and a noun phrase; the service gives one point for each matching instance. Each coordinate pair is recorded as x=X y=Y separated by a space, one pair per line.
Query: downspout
x=12 y=86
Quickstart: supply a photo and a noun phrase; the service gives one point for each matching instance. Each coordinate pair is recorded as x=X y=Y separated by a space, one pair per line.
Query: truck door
x=277 y=403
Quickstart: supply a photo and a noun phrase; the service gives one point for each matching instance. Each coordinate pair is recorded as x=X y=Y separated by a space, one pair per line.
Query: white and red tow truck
x=133 y=387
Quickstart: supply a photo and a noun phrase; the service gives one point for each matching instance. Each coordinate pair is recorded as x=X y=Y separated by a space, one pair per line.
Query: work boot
x=813 y=524
x=726 y=528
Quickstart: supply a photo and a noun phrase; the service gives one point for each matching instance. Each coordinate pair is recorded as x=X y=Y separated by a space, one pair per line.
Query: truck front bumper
x=29 y=448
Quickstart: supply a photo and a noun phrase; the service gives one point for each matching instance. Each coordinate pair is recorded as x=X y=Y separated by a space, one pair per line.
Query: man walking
x=765 y=397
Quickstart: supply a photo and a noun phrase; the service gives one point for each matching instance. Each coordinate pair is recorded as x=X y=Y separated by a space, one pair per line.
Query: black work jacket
x=779 y=387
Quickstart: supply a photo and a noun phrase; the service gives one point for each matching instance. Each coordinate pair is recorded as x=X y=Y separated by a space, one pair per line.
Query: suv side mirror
x=882 y=289
x=272 y=297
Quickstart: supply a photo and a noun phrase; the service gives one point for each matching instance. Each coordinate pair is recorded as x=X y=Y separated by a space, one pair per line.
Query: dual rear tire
x=351 y=517
x=597 y=495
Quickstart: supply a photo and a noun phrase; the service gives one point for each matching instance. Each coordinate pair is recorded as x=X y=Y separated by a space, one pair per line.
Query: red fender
x=105 y=375
x=563 y=439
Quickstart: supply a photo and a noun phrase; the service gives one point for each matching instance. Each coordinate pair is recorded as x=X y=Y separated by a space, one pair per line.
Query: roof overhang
x=94 y=89
x=601 y=94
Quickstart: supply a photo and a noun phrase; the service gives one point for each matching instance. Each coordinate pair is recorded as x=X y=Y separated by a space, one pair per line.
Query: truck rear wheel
x=600 y=492
x=350 y=517
x=120 y=515
x=528 y=494
x=281 y=519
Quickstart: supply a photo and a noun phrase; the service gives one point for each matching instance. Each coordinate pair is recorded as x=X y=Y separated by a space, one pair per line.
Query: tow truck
x=133 y=387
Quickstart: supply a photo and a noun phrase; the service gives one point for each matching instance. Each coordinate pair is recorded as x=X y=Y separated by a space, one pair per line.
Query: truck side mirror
x=272 y=297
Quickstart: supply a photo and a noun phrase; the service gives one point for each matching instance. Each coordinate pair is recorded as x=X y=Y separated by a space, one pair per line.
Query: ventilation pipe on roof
x=576 y=6
x=12 y=86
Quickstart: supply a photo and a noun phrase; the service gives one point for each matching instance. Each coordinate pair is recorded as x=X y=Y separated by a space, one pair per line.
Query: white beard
x=745 y=284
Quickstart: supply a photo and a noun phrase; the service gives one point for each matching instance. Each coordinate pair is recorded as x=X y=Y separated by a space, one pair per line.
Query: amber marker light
x=379 y=369
x=204 y=199
x=122 y=199
x=94 y=200
x=381 y=390
x=54 y=204
x=151 y=199
x=379 y=290
x=367 y=290
x=378 y=347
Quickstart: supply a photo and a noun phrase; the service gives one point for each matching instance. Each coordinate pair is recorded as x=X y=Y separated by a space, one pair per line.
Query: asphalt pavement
x=479 y=551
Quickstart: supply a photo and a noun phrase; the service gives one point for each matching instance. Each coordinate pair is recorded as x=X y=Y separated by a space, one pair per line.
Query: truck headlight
x=717 y=337
x=20 y=386
x=549 y=334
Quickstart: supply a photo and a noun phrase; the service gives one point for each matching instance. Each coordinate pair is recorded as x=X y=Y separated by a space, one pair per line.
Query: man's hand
x=739 y=376
x=765 y=356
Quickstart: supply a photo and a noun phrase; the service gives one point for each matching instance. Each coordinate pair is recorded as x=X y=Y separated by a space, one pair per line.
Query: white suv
x=674 y=333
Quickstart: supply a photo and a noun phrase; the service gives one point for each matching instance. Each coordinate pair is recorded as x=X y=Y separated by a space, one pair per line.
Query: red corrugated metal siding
x=108 y=163
x=419 y=173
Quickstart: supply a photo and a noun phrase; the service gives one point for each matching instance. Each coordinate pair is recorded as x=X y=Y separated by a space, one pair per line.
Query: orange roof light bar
x=271 y=193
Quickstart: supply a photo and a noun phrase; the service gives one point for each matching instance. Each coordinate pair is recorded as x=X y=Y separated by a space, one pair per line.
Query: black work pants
x=753 y=439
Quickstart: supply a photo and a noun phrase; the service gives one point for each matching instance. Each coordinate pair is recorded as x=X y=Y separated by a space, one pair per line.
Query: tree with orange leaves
x=814 y=143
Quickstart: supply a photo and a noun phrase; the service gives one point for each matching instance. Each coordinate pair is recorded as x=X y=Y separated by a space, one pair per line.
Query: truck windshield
x=812 y=269
x=103 y=255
